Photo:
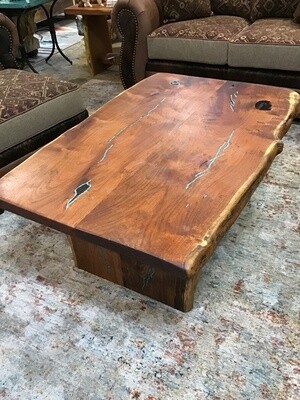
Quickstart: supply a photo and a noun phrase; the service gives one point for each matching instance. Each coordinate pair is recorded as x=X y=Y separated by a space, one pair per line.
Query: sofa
x=255 y=41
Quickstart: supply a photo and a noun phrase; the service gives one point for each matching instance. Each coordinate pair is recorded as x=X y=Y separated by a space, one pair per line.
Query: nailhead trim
x=123 y=40
x=11 y=45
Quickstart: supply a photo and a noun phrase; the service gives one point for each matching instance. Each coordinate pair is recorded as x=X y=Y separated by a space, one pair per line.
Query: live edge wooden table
x=98 y=47
x=147 y=185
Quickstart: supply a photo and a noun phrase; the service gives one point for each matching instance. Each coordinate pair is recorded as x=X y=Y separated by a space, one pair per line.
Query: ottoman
x=34 y=110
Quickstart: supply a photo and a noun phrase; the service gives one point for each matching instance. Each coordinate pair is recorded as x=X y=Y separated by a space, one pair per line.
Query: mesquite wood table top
x=148 y=184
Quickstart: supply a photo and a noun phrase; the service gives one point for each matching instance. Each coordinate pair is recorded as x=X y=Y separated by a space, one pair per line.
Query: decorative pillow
x=180 y=10
x=240 y=8
x=273 y=8
x=297 y=14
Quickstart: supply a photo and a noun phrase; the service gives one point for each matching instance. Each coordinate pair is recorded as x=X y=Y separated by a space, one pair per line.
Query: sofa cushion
x=273 y=8
x=272 y=43
x=297 y=14
x=32 y=103
x=202 y=40
x=240 y=8
x=180 y=10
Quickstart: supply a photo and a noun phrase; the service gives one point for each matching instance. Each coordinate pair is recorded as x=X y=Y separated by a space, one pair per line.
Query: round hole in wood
x=264 y=105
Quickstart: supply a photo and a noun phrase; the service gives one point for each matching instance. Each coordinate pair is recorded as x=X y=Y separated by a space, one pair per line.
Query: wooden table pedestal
x=97 y=39
x=150 y=278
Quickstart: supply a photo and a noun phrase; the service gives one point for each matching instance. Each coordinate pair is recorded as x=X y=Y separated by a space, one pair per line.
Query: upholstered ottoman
x=34 y=109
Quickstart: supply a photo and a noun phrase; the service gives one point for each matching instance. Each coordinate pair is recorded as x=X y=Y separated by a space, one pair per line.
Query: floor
x=66 y=334
x=95 y=89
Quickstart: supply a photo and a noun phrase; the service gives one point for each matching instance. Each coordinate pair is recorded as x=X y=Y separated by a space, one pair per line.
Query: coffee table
x=147 y=185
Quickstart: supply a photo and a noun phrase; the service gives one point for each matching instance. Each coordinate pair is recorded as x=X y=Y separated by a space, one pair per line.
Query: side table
x=53 y=33
x=18 y=8
x=96 y=35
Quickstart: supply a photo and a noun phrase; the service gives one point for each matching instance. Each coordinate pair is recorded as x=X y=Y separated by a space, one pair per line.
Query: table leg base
x=149 y=280
x=97 y=43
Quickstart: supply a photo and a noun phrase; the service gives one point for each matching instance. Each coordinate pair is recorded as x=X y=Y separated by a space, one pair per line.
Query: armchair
x=9 y=43
x=134 y=21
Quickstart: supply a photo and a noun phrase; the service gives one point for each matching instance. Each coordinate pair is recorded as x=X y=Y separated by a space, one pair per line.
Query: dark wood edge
x=73 y=231
x=142 y=257
x=95 y=10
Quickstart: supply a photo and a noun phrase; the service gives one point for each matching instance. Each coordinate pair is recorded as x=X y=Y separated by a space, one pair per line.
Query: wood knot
x=264 y=105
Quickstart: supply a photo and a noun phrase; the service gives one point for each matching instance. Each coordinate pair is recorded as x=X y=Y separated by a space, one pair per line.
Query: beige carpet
x=68 y=335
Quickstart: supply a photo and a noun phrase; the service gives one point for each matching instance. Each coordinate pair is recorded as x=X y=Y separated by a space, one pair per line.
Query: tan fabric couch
x=247 y=40
x=34 y=108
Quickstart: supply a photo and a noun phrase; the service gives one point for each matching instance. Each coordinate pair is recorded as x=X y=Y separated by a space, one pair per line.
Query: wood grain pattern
x=94 y=10
x=158 y=174
x=127 y=270
x=96 y=36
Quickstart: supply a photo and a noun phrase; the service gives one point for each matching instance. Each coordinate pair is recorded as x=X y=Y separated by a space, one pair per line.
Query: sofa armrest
x=9 y=43
x=134 y=20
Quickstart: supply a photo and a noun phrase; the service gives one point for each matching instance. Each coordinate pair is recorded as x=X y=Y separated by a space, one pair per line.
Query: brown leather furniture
x=248 y=40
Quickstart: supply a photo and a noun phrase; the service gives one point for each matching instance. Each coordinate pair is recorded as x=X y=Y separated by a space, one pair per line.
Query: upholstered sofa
x=248 y=40
x=34 y=108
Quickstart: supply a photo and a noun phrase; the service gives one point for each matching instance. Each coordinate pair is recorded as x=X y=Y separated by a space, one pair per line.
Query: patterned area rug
x=68 y=335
